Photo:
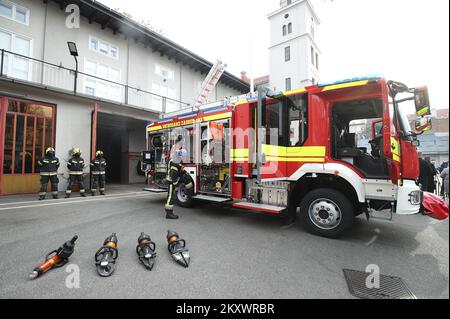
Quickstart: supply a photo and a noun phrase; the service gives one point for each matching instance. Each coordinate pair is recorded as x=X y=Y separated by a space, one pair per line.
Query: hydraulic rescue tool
x=56 y=258
x=177 y=247
x=146 y=251
x=105 y=258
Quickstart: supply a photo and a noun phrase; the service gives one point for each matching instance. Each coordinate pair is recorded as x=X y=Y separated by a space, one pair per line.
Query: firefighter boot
x=170 y=214
x=41 y=197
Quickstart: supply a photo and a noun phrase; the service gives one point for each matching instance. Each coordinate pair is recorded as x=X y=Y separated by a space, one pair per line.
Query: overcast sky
x=404 y=40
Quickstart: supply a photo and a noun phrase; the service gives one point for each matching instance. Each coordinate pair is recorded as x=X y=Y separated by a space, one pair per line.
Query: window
x=284 y=30
x=158 y=102
x=287 y=54
x=99 y=88
x=13 y=65
x=114 y=51
x=103 y=47
x=312 y=55
x=6 y=9
x=298 y=119
x=290 y=28
x=93 y=44
x=14 y=12
x=164 y=72
x=288 y=84
x=272 y=121
x=312 y=28
x=28 y=132
x=317 y=61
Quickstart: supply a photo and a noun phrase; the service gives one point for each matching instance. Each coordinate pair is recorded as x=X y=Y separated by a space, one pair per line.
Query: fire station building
x=125 y=76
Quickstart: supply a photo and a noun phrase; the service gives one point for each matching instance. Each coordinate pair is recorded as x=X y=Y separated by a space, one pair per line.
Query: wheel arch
x=311 y=181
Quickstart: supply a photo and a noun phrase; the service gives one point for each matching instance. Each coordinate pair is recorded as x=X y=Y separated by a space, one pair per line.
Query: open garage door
x=122 y=139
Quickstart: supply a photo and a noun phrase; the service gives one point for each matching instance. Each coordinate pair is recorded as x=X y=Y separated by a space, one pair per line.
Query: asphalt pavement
x=234 y=253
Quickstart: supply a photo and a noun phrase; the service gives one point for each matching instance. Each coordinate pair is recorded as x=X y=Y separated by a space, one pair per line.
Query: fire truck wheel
x=326 y=212
x=183 y=196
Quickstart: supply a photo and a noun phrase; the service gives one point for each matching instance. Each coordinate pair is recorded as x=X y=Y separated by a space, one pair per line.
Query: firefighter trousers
x=53 y=179
x=98 y=180
x=175 y=176
x=75 y=179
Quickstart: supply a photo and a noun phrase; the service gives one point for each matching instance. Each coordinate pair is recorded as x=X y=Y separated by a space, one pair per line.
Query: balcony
x=26 y=70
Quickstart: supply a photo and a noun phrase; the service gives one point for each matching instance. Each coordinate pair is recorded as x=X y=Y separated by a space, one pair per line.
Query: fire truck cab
x=327 y=152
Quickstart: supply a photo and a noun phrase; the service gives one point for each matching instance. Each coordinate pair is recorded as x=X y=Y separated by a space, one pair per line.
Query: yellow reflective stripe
x=217 y=117
x=313 y=151
x=396 y=158
x=241 y=102
x=292 y=92
x=240 y=152
x=239 y=160
x=345 y=85
x=273 y=150
x=295 y=159
x=423 y=111
x=154 y=128
x=303 y=151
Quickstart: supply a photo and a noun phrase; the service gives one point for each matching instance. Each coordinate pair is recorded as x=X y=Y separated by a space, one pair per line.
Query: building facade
x=294 y=54
x=126 y=76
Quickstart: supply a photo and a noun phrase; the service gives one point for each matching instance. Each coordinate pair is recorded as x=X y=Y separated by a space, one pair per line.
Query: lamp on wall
x=74 y=52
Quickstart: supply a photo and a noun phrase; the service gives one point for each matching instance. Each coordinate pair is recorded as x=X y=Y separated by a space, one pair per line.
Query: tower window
x=312 y=55
x=284 y=30
x=287 y=54
x=288 y=84
x=290 y=28
x=317 y=61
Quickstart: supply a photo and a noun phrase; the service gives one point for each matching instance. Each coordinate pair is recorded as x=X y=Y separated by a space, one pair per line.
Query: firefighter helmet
x=76 y=151
x=49 y=150
x=99 y=154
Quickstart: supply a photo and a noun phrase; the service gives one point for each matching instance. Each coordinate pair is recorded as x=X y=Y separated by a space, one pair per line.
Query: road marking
x=53 y=200
x=135 y=195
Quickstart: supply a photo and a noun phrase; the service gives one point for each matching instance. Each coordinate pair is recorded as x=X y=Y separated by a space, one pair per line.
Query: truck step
x=155 y=190
x=260 y=207
x=212 y=198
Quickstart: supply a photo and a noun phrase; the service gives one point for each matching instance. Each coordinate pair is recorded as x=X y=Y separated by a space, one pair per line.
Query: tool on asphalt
x=105 y=258
x=56 y=258
x=177 y=247
x=146 y=251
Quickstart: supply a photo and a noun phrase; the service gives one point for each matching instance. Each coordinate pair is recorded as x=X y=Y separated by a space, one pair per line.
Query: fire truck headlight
x=415 y=197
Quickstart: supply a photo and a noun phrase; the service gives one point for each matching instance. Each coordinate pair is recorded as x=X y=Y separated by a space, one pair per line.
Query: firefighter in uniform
x=98 y=166
x=49 y=172
x=76 y=166
x=175 y=175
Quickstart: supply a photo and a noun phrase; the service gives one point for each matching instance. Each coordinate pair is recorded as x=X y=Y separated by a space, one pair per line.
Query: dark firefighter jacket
x=98 y=166
x=49 y=166
x=76 y=166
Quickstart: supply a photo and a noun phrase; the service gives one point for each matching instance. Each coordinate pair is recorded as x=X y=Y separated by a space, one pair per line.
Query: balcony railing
x=23 y=68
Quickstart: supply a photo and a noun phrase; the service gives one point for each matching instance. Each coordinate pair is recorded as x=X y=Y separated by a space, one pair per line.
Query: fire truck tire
x=183 y=196
x=326 y=212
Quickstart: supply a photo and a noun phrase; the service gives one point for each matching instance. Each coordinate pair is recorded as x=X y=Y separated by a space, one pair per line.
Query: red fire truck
x=333 y=151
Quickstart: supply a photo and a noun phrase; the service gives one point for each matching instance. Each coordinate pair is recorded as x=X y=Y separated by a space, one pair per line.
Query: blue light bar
x=165 y=120
x=184 y=116
x=215 y=109
x=369 y=77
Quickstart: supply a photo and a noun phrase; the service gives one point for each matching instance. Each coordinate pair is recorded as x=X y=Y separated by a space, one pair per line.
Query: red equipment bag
x=434 y=206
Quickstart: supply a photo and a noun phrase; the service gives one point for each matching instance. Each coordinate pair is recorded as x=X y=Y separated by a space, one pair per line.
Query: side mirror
x=423 y=124
x=422 y=101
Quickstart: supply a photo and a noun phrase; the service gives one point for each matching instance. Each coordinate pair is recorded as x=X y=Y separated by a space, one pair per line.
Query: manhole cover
x=390 y=287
